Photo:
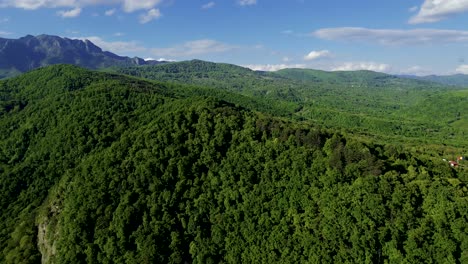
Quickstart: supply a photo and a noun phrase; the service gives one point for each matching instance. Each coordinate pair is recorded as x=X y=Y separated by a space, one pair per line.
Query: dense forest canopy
x=377 y=104
x=106 y=168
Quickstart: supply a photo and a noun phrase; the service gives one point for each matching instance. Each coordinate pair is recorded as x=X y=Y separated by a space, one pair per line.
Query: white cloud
x=4 y=20
x=150 y=15
x=110 y=12
x=187 y=49
x=208 y=5
x=462 y=69
x=127 y=5
x=76 y=6
x=25 y=4
x=356 y=66
x=436 y=10
x=70 y=13
x=246 y=2
x=119 y=47
x=286 y=59
x=191 y=48
x=4 y=33
x=317 y=54
x=35 y=4
x=134 y=5
x=273 y=67
x=392 y=36
x=118 y=34
x=160 y=59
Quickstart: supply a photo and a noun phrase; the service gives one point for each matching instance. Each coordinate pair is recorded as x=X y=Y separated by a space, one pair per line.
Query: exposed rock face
x=45 y=245
x=30 y=52
x=48 y=231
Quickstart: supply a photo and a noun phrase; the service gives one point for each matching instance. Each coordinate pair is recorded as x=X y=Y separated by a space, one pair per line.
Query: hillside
x=455 y=79
x=30 y=52
x=103 y=168
x=385 y=106
x=356 y=78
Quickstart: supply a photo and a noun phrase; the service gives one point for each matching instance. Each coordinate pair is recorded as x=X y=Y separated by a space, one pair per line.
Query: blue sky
x=398 y=36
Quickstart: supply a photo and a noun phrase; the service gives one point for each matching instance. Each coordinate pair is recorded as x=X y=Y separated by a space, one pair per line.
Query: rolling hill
x=455 y=79
x=364 y=102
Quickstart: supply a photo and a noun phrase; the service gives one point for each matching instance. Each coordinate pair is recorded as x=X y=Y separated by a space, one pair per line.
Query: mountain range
x=30 y=52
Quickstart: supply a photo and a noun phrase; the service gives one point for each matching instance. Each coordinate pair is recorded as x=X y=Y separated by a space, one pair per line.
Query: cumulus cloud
x=191 y=48
x=317 y=54
x=273 y=67
x=152 y=14
x=119 y=47
x=184 y=50
x=436 y=10
x=134 y=5
x=246 y=2
x=463 y=69
x=356 y=66
x=70 y=13
x=187 y=49
x=127 y=5
x=208 y=5
x=28 y=4
x=35 y=4
x=392 y=36
x=160 y=59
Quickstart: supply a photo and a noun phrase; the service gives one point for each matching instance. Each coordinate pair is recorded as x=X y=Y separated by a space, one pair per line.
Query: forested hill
x=202 y=72
x=385 y=106
x=360 y=78
x=455 y=79
x=30 y=52
x=103 y=168
x=219 y=75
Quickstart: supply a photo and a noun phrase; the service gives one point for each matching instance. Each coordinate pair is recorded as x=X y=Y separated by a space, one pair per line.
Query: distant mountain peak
x=30 y=52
